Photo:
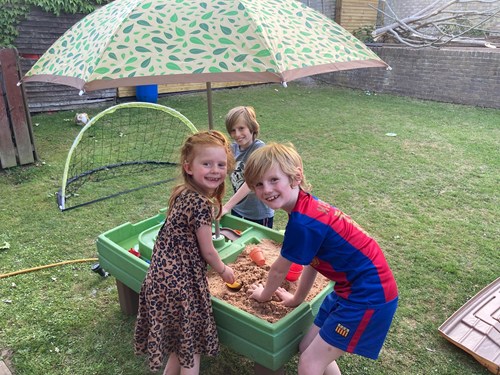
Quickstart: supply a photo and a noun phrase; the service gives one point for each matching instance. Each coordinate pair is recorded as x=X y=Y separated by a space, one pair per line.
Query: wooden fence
x=17 y=145
x=36 y=34
x=355 y=14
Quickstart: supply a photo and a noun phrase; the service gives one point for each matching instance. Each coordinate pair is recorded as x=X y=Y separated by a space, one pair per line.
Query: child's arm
x=276 y=275
x=204 y=237
x=236 y=198
x=306 y=282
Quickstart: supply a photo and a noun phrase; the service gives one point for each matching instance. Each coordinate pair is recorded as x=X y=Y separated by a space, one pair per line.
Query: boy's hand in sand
x=255 y=292
x=287 y=298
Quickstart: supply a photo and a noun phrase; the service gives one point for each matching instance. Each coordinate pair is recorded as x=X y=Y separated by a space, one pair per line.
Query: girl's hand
x=227 y=275
x=255 y=291
x=287 y=298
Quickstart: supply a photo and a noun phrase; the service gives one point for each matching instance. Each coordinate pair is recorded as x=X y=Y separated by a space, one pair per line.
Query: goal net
x=124 y=148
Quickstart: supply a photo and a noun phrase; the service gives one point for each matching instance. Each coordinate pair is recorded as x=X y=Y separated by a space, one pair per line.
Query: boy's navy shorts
x=355 y=328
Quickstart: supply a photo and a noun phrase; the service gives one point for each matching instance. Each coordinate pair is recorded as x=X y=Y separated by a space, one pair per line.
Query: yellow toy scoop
x=236 y=286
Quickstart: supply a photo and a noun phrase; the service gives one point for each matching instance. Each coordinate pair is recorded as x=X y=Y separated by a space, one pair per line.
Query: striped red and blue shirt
x=337 y=247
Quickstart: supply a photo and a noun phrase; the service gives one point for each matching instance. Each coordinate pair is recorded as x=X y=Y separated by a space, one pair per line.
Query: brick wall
x=455 y=75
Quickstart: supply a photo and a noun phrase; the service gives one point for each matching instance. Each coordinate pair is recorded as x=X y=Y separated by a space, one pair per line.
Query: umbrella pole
x=209 y=102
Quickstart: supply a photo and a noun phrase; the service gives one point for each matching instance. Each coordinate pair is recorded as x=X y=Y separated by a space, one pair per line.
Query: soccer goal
x=124 y=148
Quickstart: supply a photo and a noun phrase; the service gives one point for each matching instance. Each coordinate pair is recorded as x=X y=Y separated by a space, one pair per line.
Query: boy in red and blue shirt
x=356 y=316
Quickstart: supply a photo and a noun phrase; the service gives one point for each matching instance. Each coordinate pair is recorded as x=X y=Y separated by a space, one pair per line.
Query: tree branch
x=437 y=25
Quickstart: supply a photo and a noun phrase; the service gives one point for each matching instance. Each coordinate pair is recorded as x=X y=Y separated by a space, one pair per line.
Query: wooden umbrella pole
x=217 y=229
x=209 y=102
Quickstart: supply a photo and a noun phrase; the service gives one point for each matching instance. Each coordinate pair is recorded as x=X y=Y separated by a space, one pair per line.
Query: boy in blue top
x=356 y=316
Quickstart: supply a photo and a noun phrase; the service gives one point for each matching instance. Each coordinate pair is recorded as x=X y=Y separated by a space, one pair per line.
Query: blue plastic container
x=147 y=93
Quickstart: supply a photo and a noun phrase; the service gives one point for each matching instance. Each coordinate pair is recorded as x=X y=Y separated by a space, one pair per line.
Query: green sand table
x=270 y=345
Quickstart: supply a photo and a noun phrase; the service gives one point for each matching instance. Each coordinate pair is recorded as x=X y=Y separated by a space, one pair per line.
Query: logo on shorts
x=341 y=330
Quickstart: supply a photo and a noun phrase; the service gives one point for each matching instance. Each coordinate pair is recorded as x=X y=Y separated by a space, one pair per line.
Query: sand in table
x=248 y=273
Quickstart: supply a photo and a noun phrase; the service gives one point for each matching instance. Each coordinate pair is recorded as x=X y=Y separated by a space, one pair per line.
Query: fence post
x=17 y=145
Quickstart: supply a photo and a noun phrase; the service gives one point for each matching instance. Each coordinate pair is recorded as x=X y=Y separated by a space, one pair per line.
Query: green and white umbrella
x=142 y=42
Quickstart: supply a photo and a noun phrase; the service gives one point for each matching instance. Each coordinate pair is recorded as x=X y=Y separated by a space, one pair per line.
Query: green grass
x=429 y=196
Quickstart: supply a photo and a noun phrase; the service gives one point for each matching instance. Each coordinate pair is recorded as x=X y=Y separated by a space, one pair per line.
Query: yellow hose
x=46 y=266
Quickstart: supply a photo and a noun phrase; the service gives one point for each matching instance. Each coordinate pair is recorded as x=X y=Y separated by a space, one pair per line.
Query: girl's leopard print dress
x=175 y=311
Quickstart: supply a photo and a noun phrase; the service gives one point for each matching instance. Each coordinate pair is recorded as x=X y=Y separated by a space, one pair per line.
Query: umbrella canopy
x=141 y=42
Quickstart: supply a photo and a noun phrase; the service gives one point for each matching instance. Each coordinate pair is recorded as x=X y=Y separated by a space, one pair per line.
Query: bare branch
x=437 y=25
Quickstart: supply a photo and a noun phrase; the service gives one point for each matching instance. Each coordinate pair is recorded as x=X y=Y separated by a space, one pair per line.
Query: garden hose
x=5 y=275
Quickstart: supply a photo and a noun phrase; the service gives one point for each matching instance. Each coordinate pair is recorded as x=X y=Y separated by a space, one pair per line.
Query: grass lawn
x=429 y=195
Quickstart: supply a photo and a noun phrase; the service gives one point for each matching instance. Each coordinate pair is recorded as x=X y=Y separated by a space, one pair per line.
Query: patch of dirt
x=248 y=273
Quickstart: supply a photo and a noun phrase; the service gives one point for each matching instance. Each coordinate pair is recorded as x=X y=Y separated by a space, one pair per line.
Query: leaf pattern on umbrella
x=134 y=38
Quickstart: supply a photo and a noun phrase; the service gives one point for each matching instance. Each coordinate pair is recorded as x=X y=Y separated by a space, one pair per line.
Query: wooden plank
x=7 y=147
x=354 y=14
x=338 y=12
x=26 y=108
x=16 y=106
x=71 y=106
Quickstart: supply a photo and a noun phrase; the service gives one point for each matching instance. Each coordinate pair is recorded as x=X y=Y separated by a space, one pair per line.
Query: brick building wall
x=468 y=76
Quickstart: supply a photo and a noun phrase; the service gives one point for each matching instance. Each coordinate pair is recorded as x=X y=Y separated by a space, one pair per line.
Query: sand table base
x=248 y=273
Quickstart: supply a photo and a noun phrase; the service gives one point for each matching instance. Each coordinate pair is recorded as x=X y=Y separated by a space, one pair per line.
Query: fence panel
x=7 y=148
x=15 y=121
